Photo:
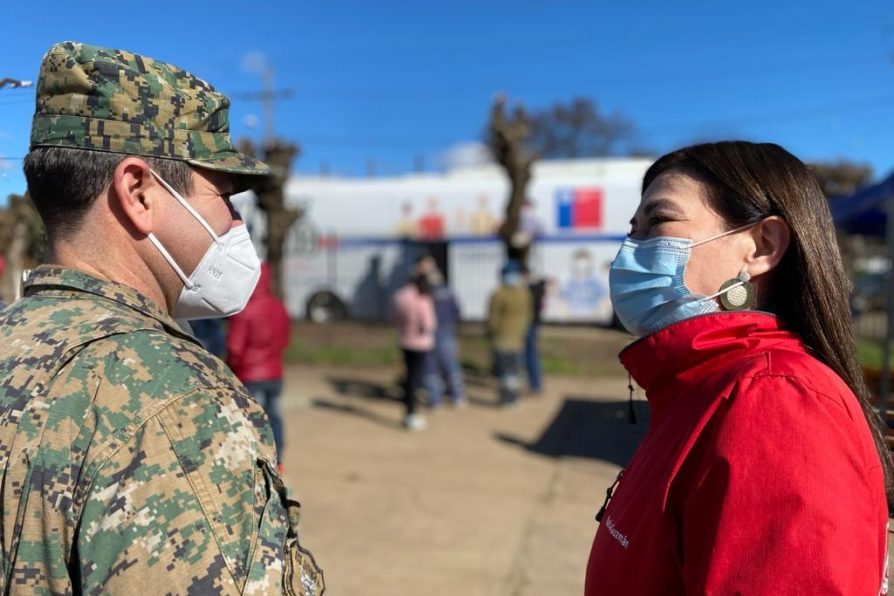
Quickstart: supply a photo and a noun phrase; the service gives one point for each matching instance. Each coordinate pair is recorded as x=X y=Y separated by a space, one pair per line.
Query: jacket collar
x=46 y=279
x=688 y=350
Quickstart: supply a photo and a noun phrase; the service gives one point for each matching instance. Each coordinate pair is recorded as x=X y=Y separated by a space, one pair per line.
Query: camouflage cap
x=111 y=100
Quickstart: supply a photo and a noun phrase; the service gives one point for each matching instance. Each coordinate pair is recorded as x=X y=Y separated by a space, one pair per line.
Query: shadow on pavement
x=476 y=376
x=349 y=408
x=485 y=402
x=591 y=429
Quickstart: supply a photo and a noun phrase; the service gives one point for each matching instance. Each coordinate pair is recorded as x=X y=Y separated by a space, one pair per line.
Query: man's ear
x=131 y=184
x=771 y=241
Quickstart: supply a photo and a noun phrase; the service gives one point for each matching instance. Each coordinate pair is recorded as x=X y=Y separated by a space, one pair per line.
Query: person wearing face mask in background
x=133 y=458
x=764 y=469
x=509 y=315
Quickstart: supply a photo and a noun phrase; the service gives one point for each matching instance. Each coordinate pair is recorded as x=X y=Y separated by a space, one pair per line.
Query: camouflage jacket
x=132 y=460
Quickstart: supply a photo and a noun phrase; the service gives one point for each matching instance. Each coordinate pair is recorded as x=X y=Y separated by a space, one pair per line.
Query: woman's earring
x=738 y=293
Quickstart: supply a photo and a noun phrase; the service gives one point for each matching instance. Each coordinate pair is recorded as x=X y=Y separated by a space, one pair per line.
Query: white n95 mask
x=224 y=279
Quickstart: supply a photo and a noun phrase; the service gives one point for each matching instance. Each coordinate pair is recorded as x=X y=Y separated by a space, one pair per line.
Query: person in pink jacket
x=414 y=316
x=764 y=469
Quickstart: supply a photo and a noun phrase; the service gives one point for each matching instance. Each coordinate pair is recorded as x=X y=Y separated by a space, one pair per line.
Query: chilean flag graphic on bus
x=579 y=208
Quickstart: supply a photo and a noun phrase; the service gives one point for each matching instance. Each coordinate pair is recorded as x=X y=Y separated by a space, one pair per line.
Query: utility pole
x=257 y=63
x=268 y=98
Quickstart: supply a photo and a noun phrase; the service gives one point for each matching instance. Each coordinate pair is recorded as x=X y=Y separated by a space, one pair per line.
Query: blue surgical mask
x=646 y=283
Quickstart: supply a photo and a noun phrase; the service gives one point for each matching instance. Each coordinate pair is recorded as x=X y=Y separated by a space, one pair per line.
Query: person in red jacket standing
x=764 y=468
x=255 y=345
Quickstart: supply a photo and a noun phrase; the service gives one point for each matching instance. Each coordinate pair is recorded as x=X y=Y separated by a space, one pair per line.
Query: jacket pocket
x=278 y=552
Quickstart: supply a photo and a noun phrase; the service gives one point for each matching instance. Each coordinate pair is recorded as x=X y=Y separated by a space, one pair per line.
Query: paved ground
x=485 y=502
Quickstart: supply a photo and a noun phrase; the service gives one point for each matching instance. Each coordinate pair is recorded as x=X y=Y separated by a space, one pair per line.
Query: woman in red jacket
x=256 y=343
x=764 y=468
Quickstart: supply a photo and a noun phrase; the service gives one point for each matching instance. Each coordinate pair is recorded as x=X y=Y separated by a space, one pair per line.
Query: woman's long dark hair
x=808 y=289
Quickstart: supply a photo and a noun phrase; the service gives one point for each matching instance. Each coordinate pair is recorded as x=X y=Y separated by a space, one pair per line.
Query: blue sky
x=388 y=81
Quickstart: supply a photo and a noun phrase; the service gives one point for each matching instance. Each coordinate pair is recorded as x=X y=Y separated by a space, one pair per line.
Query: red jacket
x=757 y=475
x=259 y=335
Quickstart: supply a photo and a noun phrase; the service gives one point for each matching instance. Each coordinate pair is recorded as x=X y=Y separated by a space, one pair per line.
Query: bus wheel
x=325 y=307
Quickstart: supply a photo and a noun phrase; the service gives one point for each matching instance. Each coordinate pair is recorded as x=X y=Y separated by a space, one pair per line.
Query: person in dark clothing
x=212 y=334
x=537 y=287
x=443 y=369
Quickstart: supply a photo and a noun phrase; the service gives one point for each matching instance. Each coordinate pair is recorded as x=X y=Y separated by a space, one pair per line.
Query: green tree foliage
x=842 y=177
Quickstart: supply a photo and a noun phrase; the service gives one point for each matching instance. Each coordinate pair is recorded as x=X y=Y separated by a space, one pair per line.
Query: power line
x=771 y=117
x=790 y=115
x=262 y=95
x=634 y=73
x=775 y=117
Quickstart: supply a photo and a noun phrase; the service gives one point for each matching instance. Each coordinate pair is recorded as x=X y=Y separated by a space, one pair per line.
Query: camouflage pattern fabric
x=104 y=99
x=132 y=460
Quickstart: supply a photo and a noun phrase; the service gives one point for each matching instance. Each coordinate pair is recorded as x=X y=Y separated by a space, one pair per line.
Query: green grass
x=577 y=352
x=300 y=352
x=580 y=352
x=342 y=346
x=869 y=353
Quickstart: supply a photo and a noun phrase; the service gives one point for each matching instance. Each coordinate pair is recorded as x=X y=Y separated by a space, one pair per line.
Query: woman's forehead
x=675 y=191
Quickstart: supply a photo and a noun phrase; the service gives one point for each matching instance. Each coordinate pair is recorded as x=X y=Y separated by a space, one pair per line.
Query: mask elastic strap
x=727 y=233
x=185 y=204
x=164 y=252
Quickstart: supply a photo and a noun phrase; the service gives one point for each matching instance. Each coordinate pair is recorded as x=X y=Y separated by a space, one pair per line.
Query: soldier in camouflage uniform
x=132 y=460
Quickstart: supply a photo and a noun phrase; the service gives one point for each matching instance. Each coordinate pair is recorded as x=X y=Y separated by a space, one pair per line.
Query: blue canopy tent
x=865 y=211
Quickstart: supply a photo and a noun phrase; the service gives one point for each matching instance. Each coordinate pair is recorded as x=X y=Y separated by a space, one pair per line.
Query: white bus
x=359 y=237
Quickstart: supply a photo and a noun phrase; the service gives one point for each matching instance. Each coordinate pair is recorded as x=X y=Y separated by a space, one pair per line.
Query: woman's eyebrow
x=665 y=204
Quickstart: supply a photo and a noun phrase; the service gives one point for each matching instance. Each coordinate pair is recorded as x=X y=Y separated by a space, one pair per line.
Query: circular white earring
x=738 y=293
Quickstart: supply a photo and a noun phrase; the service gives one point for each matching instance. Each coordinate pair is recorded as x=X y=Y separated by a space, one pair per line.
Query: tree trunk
x=279 y=222
x=271 y=195
x=507 y=138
